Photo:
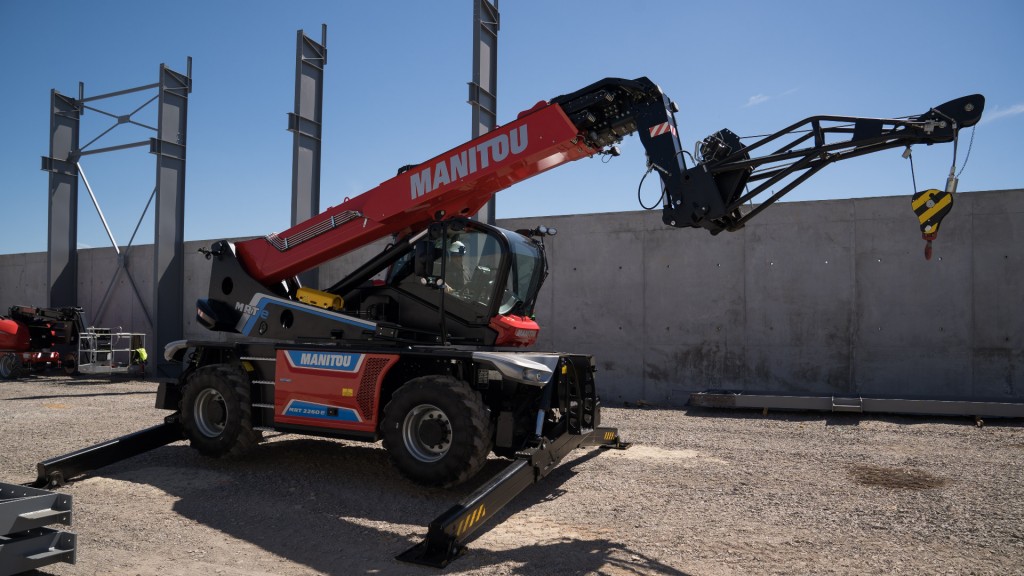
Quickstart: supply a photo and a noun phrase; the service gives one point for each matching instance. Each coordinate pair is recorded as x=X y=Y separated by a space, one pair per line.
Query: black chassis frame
x=571 y=392
x=570 y=400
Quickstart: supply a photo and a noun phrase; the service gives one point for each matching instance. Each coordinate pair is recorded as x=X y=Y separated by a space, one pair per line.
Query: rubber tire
x=70 y=364
x=7 y=370
x=236 y=436
x=471 y=430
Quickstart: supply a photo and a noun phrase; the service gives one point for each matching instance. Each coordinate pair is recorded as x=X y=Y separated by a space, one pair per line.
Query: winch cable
x=967 y=156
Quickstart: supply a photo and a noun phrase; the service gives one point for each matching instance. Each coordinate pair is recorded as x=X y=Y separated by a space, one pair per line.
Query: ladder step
x=35 y=548
x=51 y=553
x=53 y=516
x=847 y=404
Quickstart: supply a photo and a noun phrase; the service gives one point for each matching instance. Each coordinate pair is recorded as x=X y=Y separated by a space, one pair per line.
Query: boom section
x=708 y=193
x=729 y=174
x=460 y=181
x=456 y=183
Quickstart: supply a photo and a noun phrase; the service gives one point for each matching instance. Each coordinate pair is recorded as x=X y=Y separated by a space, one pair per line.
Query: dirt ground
x=699 y=492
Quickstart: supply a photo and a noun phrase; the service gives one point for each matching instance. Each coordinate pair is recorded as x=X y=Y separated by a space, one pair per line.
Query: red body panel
x=515 y=330
x=459 y=182
x=14 y=337
x=330 y=390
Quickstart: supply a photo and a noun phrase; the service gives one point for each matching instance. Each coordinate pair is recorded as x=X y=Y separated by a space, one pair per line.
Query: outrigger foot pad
x=448 y=533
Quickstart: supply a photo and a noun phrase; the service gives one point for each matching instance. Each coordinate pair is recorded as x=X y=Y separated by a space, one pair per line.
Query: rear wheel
x=216 y=414
x=437 y=430
x=70 y=364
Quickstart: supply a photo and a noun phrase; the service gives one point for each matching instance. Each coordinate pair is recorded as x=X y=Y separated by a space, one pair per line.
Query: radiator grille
x=368 y=386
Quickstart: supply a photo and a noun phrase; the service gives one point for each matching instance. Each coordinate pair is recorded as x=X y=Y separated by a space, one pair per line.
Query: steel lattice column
x=169 y=237
x=306 y=124
x=62 y=234
x=483 y=90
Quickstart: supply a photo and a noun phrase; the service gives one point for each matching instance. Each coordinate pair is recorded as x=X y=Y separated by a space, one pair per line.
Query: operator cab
x=481 y=279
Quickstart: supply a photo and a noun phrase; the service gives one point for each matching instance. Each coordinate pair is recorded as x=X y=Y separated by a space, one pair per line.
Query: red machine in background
x=37 y=339
x=34 y=338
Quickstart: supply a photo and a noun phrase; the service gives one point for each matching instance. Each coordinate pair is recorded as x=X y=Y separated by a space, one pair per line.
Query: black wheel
x=8 y=365
x=216 y=414
x=437 y=430
x=70 y=364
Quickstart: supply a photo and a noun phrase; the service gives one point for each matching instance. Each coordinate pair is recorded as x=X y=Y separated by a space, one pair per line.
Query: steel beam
x=169 y=237
x=483 y=90
x=62 y=231
x=306 y=123
x=922 y=406
x=25 y=542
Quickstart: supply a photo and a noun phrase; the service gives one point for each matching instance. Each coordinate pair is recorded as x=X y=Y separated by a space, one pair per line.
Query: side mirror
x=424 y=255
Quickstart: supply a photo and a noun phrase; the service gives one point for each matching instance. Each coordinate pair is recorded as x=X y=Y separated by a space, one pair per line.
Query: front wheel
x=437 y=431
x=9 y=364
x=216 y=414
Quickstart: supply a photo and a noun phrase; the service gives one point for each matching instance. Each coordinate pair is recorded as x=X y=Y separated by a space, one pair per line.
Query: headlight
x=534 y=375
x=204 y=318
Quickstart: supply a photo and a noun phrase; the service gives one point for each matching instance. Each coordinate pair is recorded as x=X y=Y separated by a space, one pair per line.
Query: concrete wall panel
x=914 y=316
x=814 y=298
x=601 y=306
x=998 y=296
x=694 y=313
x=922 y=370
x=22 y=280
x=799 y=298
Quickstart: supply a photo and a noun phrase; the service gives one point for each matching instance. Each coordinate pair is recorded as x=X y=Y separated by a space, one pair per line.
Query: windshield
x=524 y=278
x=480 y=277
x=472 y=267
x=469 y=264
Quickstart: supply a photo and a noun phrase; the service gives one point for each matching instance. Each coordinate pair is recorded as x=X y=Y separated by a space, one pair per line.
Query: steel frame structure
x=169 y=238
x=62 y=229
x=65 y=168
x=306 y=124
x=483 y=90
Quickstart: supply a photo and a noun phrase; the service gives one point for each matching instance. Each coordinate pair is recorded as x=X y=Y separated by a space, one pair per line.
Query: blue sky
x=395 y=94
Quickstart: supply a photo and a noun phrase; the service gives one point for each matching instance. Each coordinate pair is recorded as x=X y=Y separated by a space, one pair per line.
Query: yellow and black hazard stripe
x=931 y=206
x=471 y=519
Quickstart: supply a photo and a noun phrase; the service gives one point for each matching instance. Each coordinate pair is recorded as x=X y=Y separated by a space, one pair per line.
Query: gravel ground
x=700 y=492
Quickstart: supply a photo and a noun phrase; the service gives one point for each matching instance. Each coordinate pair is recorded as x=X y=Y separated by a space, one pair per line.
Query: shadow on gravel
x=341 y=508
x=49 y=396
x=82 y=379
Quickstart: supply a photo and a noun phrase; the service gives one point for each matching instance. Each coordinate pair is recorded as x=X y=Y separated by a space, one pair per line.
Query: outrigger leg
x=447 y=534
x=58 y=470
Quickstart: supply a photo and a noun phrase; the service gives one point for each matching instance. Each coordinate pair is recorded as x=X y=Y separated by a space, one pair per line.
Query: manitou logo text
x=468 y=162
x=325 y=360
